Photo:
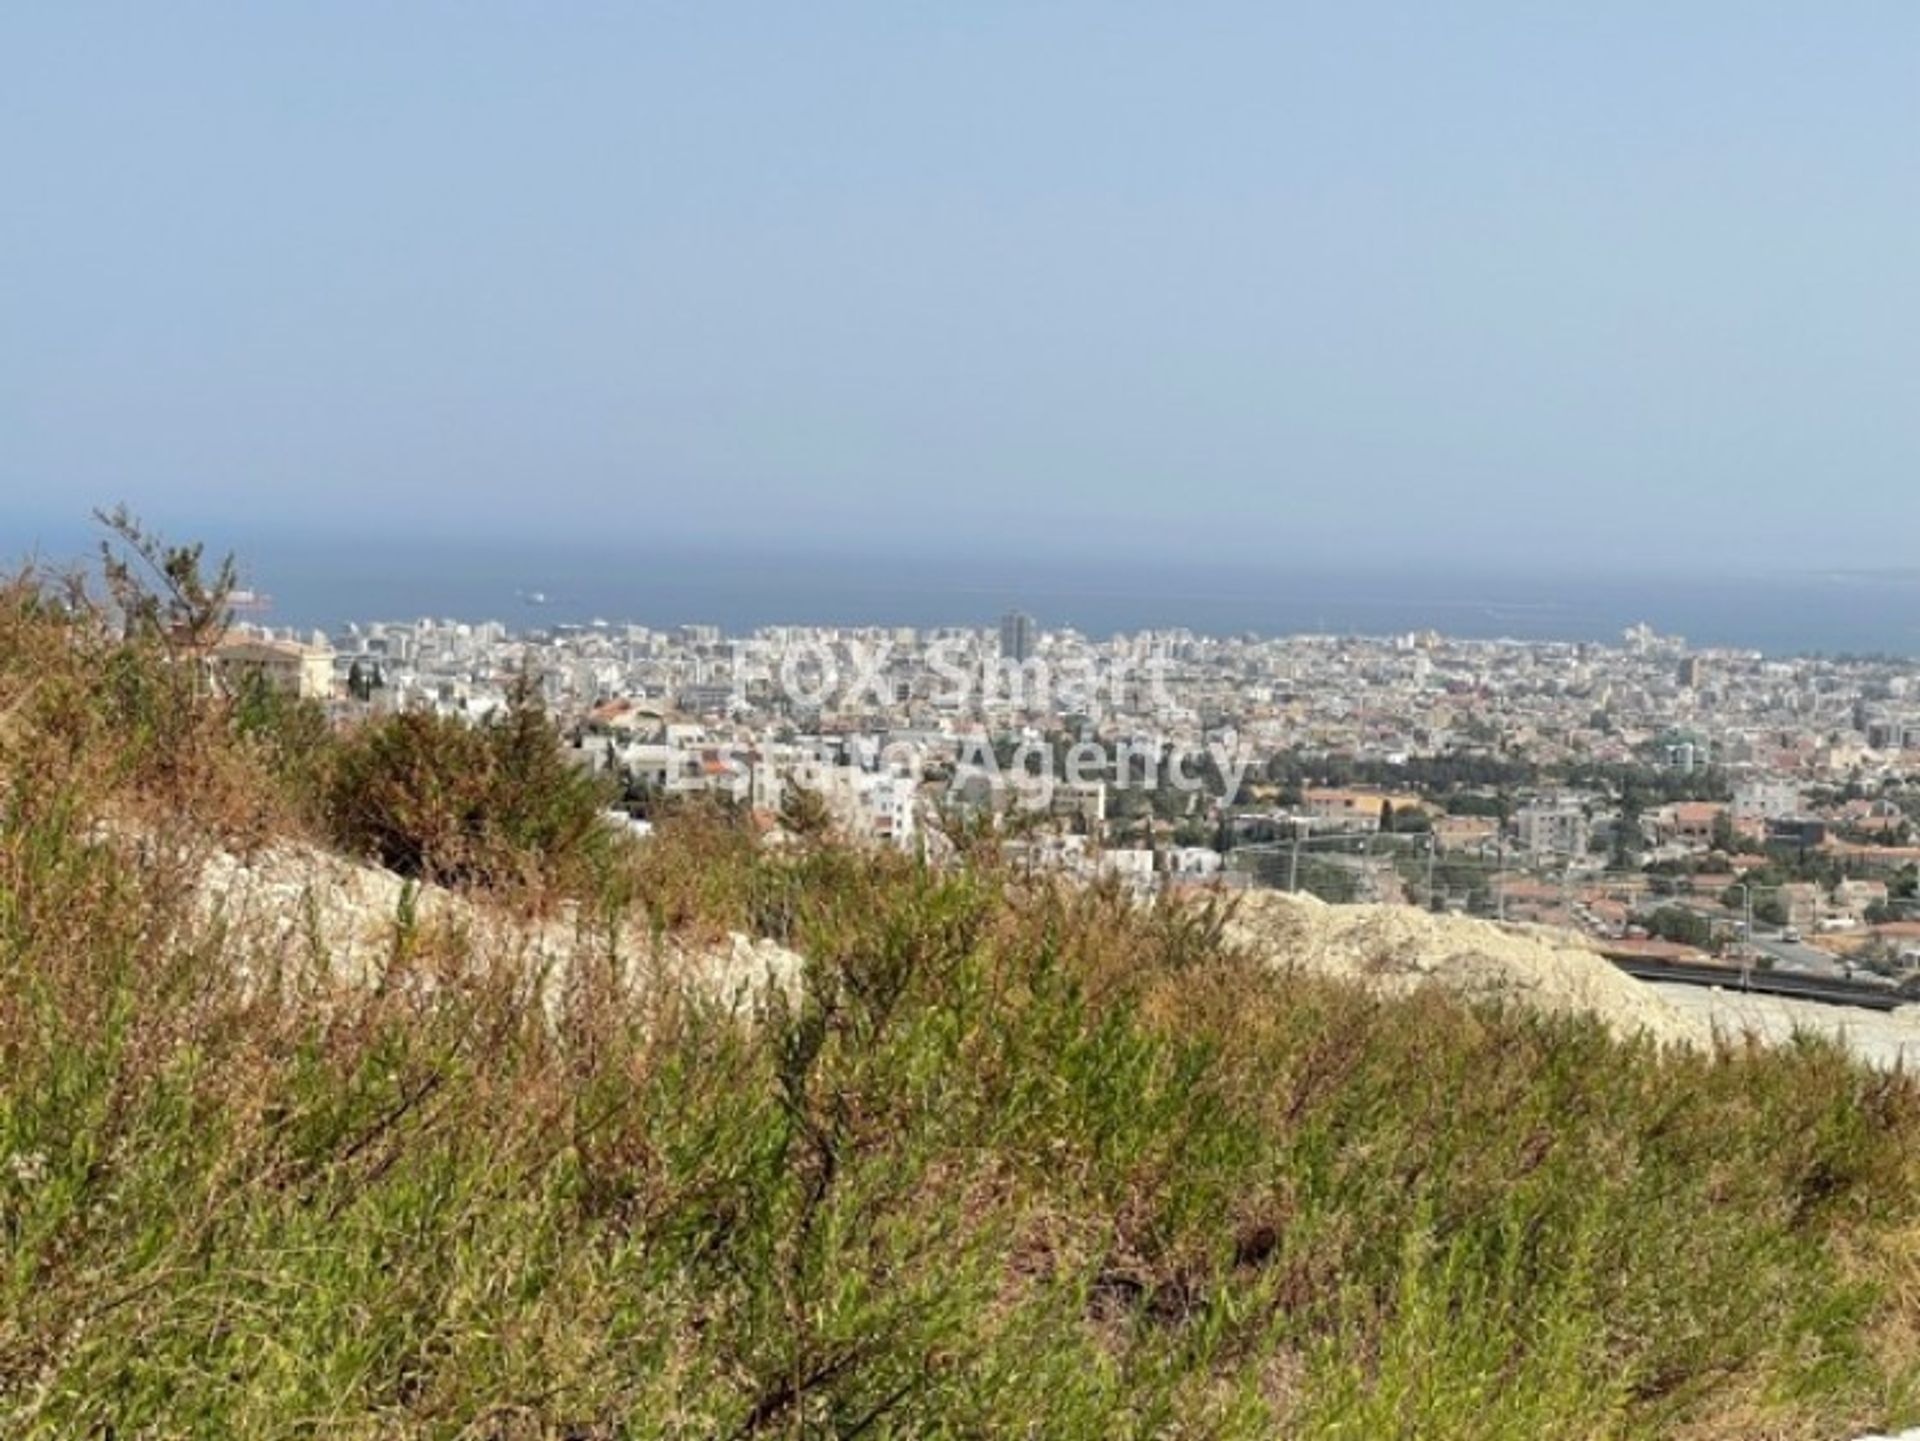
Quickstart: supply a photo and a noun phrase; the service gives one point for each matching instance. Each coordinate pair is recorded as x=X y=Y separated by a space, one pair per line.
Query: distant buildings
x=1016 y=636
x=1692 y=823
x=1466 y=833
x=1763 y=800
x=892 y=726
x=1355 y=810
x=1557 y=827
x=303 y=669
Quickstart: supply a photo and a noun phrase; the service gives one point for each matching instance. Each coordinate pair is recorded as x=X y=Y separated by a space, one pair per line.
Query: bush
x=496 y=804
x=1677 y=923
x=81 y=696
x=291 y=738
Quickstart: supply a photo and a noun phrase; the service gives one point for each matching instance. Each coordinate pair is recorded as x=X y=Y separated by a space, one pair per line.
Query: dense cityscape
x=1676 y=802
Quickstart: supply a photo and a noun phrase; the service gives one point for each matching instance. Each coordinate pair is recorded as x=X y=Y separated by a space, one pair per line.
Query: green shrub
x=494 y=804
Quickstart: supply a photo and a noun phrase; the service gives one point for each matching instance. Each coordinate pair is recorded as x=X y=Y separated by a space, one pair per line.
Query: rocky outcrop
x=293 y=904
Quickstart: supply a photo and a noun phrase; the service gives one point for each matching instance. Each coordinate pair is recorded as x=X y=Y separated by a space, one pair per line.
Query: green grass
x=1012 y=1160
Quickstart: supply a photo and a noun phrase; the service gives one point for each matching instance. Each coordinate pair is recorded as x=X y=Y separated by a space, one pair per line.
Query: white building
x=1556 y=827
x=1762 y=800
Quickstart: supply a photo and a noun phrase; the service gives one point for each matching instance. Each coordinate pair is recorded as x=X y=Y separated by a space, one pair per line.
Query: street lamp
x=1500 y=874
x=1746 y=932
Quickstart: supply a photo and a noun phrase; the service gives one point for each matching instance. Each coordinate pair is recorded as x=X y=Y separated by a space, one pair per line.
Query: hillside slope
x=291 y=1148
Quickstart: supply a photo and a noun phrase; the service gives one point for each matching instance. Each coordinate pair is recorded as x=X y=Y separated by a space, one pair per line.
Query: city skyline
x=324 y=583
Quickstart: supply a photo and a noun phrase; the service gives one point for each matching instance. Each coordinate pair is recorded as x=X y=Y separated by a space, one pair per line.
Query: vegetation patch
x=1013 y=1158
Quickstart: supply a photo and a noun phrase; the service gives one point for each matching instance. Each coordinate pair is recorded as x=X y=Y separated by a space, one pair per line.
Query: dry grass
x=1012 y=1159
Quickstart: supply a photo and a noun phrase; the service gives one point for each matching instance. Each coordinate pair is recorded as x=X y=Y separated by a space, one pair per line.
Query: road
x=1774 y=980
x=1797 y=955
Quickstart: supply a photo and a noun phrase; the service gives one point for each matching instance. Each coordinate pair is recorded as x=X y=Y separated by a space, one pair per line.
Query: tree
x=804 y=811
x=162 y=591
x=540 y=804
x=1626 y=832
x=1677 y=923
x=1471 y=803
x=1411 y=821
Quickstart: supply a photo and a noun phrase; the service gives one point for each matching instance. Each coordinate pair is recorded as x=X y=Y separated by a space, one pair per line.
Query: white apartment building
x=1555 y=827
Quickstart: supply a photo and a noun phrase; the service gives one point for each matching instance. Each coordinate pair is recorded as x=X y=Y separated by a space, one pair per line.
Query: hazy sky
x=1246 y=280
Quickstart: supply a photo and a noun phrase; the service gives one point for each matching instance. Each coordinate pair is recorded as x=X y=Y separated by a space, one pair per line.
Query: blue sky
x=1611 y=284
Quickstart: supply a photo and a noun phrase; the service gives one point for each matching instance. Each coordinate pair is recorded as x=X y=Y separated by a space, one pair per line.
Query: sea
x=1783 y=612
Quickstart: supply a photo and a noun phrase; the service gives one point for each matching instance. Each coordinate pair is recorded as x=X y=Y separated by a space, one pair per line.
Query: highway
x=1793 y=956
x=1797 y=956
x=1775 y=982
